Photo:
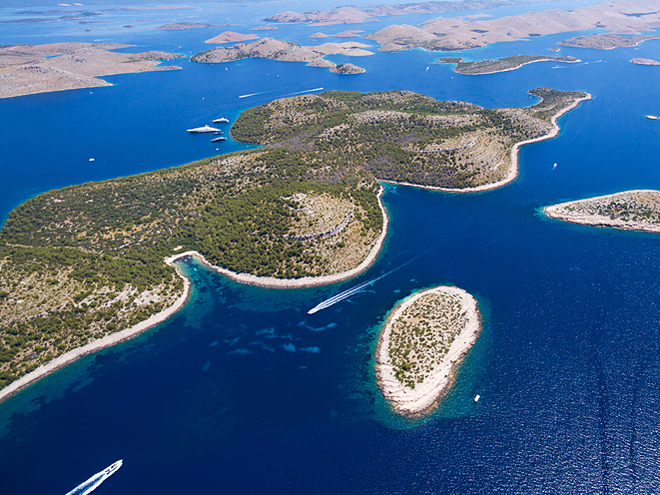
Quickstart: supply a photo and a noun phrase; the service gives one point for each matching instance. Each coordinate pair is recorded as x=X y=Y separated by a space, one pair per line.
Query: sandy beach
x=298 y=283
x=99 y=344
x=513 y=169
x=424 y=398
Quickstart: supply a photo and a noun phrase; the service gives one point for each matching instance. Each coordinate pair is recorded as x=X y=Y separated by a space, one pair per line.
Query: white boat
x=652 y=117
x=113 y=467
x=477 y=397
x=95 y=481
x=554 y=166
x=200 y=130
x=221 y=120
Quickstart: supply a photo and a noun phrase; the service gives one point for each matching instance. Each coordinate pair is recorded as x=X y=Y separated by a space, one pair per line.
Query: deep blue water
x=243 y=392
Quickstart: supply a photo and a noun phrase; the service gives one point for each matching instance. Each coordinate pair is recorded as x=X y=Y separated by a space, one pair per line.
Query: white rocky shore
x=458 y=324
x=297 y=283
x=629 y=210
x=514 y=166
x=97 y=345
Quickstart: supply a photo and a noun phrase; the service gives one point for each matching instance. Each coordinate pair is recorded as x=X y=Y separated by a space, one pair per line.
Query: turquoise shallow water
x=243 y=392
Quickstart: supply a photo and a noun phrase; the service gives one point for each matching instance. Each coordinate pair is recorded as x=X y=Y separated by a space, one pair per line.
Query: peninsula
x=421 y=345
x=30 y=69
x=81 y=264
x=630 y=210
x=500 y=64
x=283 y=51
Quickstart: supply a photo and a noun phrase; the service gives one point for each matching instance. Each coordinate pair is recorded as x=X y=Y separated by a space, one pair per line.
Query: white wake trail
x=305 y=91
x=93 y=483
x=354 y=290
x=343 y=295
x=254 y=94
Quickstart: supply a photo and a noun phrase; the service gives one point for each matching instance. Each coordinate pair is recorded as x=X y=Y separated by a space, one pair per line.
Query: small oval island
x=423 y=340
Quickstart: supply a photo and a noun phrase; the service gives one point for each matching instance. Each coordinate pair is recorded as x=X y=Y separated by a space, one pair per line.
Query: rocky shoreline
x=298 y=283
x=422 y=398
x=514 y=168
x=97 y=345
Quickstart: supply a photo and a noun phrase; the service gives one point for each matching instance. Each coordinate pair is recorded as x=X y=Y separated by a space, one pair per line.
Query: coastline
x=513 y=169
x=299 y=283
x=555 y=212
x=425 y=397
x=158 y=318
x=97 y=345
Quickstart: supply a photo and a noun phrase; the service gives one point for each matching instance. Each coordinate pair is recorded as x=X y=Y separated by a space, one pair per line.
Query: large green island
x=89 y=265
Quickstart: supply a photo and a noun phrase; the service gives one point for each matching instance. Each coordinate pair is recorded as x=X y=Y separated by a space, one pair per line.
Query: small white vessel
x=113 y=467
x=221 y=120
x=91 y=159
x=554 y=166
x=652 y=117
x=477 y=397
x=95 y=481
x=200 y=130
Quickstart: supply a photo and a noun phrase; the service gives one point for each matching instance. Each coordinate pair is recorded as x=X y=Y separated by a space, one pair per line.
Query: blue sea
x=243 y=392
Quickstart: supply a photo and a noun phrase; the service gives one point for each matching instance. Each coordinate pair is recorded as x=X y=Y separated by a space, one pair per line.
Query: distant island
x=231 y=37
x=645 y=61
x=608 y=41
x=351 y=33
x=355 y=15
x=420 y=346
x=84 y=266
x=451 y=33
x=284 y=51
x=500 y=64
x=184 y=25
x=347 y=69
x=30 y=69
x=630 y=210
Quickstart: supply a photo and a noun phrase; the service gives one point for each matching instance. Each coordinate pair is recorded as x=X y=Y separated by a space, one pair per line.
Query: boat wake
x=305 y=91
x=254 y=94
x=93 y=483
x=359 y=288
x=346 y=294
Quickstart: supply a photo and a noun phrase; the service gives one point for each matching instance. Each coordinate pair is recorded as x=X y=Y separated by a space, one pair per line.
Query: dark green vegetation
x=500 y=64
x=401 y=136
x=87 y=260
